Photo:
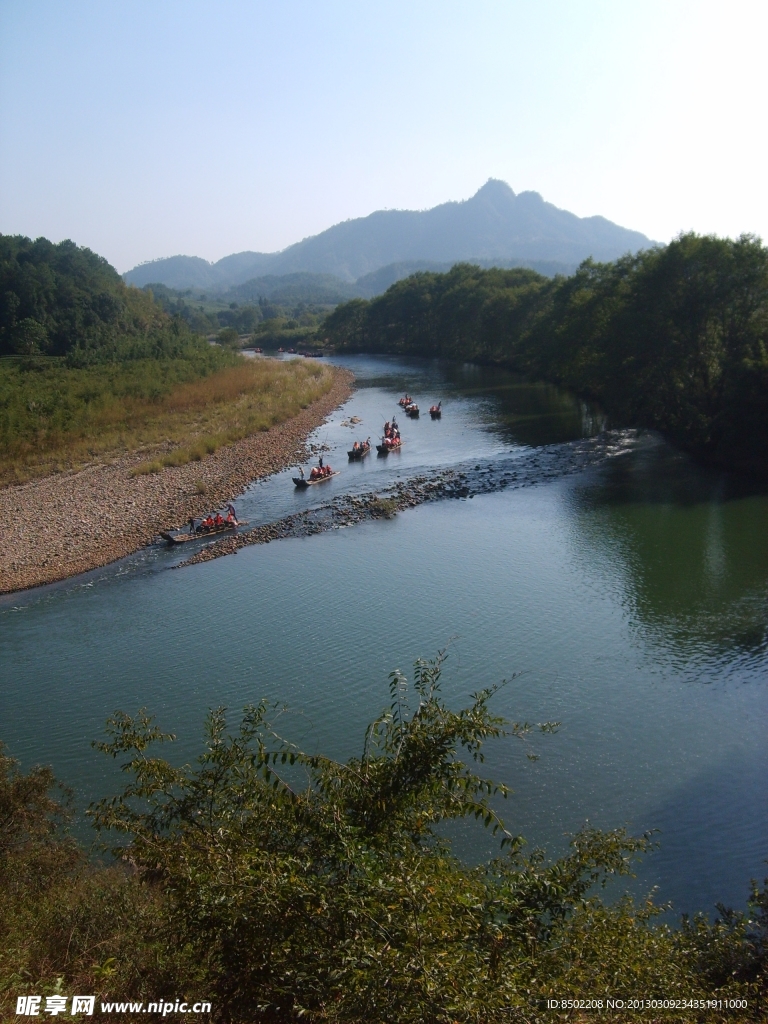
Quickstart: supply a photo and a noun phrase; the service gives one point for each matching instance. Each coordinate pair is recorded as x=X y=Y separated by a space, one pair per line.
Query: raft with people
x=390 y=439
x=209 y=526
x=389 y=444
x=405 y=400
x=318 y=475
x=359 y=449
x=412 y=410
x=436 y=411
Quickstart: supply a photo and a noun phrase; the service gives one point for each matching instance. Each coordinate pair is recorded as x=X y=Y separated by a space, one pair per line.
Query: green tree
x=674 y=338
x=28 y=337
x=229 y=338
x=305 y=887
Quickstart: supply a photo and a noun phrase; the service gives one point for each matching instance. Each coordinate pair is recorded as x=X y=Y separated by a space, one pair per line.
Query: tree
x=305 y=887
x=229 y=338
x=29 y=337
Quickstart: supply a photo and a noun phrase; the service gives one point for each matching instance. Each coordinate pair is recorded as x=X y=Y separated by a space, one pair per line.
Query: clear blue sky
x=145 y=128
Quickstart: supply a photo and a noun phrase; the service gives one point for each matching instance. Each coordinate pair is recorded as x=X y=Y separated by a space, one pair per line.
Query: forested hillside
x=674 y=337
x=88 y=364
x=63 y=300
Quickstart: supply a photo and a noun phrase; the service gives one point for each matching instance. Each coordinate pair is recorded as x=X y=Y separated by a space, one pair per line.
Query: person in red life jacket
x=219 y=520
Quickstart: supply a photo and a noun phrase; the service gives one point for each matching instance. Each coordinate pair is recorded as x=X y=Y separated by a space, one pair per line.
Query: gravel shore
x=67 y=524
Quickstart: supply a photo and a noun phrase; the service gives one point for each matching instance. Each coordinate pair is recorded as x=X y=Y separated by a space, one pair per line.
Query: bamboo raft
x=216 y=531
x=384 y=449
x=359 y=453
x=301 y=482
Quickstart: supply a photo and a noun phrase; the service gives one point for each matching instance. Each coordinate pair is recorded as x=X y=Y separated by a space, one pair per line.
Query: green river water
x=629 y=600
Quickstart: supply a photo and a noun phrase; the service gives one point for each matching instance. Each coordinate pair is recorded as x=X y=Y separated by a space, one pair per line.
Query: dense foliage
x=63 y=300
x=286 y=318
x=674 y=338
x=202 y=314
x=288 y=886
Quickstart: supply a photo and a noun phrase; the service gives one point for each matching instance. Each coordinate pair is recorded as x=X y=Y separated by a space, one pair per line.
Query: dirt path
x=69 y=523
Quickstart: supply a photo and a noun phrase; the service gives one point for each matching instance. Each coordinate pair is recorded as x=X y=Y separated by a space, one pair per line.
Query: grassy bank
x=283 y=886
x=54 y=416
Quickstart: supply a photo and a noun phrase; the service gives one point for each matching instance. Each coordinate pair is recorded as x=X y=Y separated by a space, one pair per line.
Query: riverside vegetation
x=287 y=886
x=89 y=366
x=674 y=338
x=288 y=316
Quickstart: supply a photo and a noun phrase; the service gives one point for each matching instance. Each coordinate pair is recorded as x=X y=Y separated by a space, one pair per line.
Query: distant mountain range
x=327 y=289
x=493 y=228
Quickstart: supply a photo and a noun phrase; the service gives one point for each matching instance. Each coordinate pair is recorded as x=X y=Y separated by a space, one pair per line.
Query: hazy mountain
x=327 y=289
x=495 y=226
x=377 y=282
x=290 y=289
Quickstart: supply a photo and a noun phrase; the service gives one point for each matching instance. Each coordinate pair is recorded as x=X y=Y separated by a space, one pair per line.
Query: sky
x=148 y=128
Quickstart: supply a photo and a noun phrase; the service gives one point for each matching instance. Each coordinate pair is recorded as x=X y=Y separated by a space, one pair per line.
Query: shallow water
x=631 y=598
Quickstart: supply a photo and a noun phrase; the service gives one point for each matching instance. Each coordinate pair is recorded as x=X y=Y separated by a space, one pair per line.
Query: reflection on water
x=518 y=411
x=617 y=594
x=694 y=547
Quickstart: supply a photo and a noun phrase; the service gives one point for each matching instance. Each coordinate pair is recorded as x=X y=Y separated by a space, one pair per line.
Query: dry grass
x=186 y=423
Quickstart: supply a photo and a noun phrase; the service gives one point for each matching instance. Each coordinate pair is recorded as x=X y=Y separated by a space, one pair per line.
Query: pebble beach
x=69 y=523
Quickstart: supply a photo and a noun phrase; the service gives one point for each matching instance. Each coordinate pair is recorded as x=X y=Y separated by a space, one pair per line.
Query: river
x=627 y=600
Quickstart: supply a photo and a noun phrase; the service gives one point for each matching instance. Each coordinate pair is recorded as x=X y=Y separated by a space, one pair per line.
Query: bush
x=229 y=338
x=287 y=886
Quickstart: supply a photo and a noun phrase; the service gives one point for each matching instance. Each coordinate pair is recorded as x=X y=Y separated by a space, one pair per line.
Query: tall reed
x=54 y=417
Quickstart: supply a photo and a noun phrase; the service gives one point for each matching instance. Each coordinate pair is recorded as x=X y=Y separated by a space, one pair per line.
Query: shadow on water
x=517 y=411
x=693 y=546
x=721 y=814
x=527 y=413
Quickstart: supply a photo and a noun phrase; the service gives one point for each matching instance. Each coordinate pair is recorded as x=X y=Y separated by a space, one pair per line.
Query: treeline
x=265 y=319
x=285 y=886
x=64 y=300
x=203 y=315
x=674 y=338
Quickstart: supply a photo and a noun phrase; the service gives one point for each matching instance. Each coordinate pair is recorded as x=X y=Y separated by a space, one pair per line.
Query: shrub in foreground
x=288 y=886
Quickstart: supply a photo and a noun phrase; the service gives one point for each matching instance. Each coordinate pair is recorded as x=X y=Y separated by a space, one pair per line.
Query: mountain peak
x=494 y=225
x=494 y=189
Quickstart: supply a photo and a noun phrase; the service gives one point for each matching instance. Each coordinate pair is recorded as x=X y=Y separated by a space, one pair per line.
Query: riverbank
x=69 y=523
